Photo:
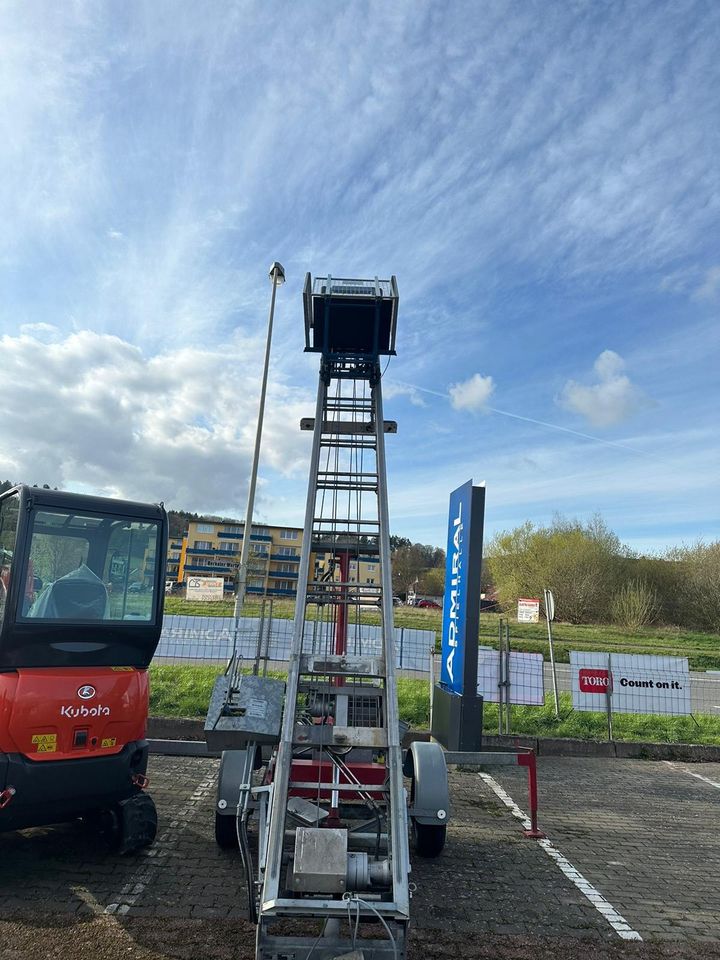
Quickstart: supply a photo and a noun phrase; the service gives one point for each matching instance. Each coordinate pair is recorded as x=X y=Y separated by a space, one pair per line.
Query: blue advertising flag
x=456 y=589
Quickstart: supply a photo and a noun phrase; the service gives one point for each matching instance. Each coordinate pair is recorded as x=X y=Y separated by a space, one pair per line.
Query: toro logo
x=594 y=681
x=86 y=692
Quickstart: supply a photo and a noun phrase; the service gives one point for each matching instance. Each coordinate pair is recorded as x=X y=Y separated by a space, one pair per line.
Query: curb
x=164 y=731
x=616 y=749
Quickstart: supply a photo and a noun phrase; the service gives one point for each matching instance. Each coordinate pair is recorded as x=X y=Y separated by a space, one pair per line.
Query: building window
x=370 y=580
x=205 y=528
x=370 y=567
x=288 y=534
x=260 y=531
x=202 y=545
x=232 y=528
x=288 y=552
x=284 y=585
x=232 y=545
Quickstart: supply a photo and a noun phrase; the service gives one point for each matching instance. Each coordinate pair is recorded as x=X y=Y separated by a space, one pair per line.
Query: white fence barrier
x=187 y=639
x=525 y=677
x=636 y=683
x=674 y=690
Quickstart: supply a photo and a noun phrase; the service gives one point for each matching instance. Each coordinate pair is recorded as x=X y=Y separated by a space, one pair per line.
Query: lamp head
x=277 y=273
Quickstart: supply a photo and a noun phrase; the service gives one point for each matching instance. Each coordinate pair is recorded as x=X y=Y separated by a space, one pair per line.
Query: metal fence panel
x=637 y=683
x=200 y=640
x=526 y=681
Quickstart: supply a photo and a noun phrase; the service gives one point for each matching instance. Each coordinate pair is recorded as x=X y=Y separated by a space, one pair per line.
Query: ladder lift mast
x=332 y=808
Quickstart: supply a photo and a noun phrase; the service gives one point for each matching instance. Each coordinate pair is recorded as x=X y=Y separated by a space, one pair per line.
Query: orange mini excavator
x=81 y=601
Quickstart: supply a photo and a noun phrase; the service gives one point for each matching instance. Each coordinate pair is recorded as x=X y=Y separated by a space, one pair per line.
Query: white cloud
x=710 y=286
x=472 y=394
x=92 y=411
x=609 y=401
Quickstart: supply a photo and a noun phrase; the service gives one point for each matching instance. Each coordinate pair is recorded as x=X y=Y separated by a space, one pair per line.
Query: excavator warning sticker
x=108 y=742
x=46 y=742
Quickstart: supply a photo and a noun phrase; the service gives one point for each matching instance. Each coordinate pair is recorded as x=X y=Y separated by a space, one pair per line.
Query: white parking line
x=699 y=776
x=603 y=907
x=152 y=859
x=691 y=773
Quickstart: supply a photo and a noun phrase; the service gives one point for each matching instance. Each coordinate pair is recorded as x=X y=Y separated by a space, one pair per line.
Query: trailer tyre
x=225 y=832
x=429 y=839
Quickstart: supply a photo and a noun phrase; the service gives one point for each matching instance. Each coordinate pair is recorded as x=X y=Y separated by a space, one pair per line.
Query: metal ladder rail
x=278 y=810
x=325 y=437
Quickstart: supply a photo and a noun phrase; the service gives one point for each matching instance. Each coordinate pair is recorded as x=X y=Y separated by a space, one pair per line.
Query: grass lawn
x=702 y=649
x=184 y=691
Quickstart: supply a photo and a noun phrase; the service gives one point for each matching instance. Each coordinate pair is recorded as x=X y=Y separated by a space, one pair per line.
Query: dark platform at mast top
x=350 y=318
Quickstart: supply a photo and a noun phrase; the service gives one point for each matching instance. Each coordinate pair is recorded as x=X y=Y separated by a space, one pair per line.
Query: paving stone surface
x=643 y=833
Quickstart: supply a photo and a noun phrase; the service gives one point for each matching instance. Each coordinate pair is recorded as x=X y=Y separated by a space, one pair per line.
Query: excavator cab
x=81 y=601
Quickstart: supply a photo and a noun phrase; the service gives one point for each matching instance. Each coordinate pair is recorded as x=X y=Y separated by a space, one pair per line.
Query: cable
x=386 y=366
x=311 y=951
x=358 y=900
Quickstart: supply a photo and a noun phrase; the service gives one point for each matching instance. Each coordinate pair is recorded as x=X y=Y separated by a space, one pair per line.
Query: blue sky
x=542 y=177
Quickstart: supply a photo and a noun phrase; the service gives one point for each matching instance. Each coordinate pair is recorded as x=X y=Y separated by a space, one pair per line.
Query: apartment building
x=212 y=548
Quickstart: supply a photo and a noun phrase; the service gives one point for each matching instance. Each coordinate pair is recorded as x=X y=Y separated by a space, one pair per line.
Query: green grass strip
x=184 y=691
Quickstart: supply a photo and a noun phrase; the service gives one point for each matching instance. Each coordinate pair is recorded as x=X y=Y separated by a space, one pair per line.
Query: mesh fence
x=640 y=684
x=515 y=678
x=207 y=640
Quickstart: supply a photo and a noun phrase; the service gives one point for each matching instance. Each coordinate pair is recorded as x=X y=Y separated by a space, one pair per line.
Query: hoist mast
x=332 y=807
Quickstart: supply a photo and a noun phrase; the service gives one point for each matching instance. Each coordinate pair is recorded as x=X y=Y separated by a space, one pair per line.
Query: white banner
x=528 y=610
x=639 y=683
x=527 y=681
x=204 y=588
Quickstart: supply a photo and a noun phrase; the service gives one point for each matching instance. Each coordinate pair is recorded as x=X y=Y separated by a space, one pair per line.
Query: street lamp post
x=277 y=276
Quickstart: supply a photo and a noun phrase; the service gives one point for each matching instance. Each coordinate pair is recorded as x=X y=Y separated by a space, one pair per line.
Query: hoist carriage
x=331 y=807
x=81 y=600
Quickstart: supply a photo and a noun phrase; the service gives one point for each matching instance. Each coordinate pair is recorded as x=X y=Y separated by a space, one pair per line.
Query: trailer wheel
x=225 y=832
x=429 y=839
x=136 y=823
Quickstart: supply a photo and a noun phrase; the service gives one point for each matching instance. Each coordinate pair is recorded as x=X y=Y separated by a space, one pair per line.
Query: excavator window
x=9 y=508
x=90 y=567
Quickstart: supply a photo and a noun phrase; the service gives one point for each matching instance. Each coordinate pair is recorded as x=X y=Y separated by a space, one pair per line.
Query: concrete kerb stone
x=184 y=728
x=688 y=752
x=563 y=747
x=175 y=728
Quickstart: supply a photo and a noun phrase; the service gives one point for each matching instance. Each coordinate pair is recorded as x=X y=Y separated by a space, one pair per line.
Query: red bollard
x=528 y=760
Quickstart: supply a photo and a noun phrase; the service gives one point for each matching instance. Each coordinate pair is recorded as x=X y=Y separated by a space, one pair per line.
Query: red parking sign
x=593 y=681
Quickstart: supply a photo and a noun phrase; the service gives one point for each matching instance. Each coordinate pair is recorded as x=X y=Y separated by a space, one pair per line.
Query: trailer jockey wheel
x=130 y=825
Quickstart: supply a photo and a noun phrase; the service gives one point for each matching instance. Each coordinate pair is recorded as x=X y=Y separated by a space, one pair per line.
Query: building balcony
x=278 y=575
x=281 y=558
x=239 y=536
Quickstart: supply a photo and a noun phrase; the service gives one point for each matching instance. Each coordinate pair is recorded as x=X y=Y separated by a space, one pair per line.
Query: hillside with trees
x=595 y=579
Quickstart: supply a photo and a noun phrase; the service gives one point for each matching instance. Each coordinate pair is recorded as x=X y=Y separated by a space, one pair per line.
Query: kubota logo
x=83 y=711
x=594 y=681
x=86 y=692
